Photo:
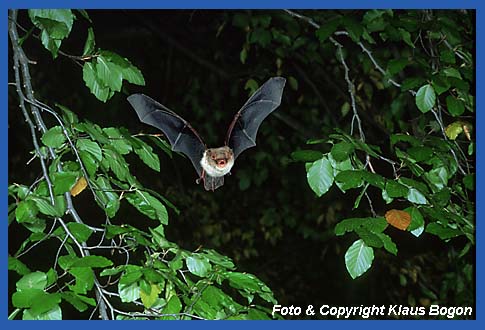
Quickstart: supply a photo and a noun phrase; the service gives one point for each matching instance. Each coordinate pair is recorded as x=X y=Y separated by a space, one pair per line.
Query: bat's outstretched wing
x=242 y=132
x=182 y=137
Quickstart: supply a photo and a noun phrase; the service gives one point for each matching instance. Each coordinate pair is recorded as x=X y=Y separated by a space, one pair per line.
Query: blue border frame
x=256 y=4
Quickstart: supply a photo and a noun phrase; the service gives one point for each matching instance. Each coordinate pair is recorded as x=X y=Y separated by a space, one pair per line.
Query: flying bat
x=212 y=164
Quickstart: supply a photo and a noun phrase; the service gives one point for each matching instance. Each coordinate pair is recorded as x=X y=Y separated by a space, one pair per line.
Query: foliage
x=164 y=281
x=379 y=107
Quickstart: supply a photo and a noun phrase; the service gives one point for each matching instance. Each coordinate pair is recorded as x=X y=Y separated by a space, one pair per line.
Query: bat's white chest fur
x=215 y=171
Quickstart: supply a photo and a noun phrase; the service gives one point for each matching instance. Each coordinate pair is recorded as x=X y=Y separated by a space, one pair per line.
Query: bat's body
x=212 y=164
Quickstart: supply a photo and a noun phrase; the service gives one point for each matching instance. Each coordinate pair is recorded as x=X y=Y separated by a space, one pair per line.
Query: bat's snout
x=221 y=162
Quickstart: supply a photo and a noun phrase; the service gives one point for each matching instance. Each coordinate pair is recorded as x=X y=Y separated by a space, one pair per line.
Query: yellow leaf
x=399 y=219
x=80 y=185
x=149 y=299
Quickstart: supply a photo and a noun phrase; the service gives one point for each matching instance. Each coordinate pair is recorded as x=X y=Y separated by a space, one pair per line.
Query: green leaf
x=411 y=83
x=438 y=176
x=425 y=98
x=358 y=258
x=84 y=279
x=395 y=189
x=320 y=176
x=69 y=262
x=440 y=84
x=63 y=181
x=92 y=81
x=261 y=36
x=118 y=141
x=109 y=198
x=442 y=231
x=90 y=43
x=354 y=28
x=349 y=179
x=173 y=306
x=63 y=18
x=89 y=146
x=243 y=55
x=117 y=163
x=17 y=266
x=89 y=161
x=80 y=231
x=342 y=150
x=327 y=29
x=397 y=65
x=76 y=301
x=129 y=72
x=198 y=265
x=54 y=314
x=54 y=137
x=146 y=154
x=306 y=155
x=406 y=36
x=374 y=225
x=252 y=85
x=455 y=106
x=417 y=220
x=415 y=196
x=45 y=207
x=293 y=83
x=35 y=280
x=26 y=211
x=129 y=293
x=50 y=44
x=148 y=205
x=108 y=73
x=469 y=181
x=389 y=245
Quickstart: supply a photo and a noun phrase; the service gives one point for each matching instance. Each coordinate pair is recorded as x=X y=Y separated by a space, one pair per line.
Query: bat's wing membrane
x=242 y=132
x=182 y=137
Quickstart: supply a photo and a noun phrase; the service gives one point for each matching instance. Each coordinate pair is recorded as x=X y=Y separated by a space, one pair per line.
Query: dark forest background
x=268 y=217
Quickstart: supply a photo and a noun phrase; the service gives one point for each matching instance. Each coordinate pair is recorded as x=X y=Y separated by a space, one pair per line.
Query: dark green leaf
x=455 y=106
x=148 y=205
x=442 y=231
x=90 y=43
x=349 y=179
x=306 y=155
x=440 y=84
x=260 y=36
x=342 y=150
x=406 y=36
x=327 y=29
x=389 y=245
x=374 y=225
x=395 y=189
x=469 y=181
x=397 y=65
x=173 y=306
x=353 y=27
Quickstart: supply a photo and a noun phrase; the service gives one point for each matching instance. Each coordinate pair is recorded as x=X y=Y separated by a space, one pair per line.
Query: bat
x=212 y=164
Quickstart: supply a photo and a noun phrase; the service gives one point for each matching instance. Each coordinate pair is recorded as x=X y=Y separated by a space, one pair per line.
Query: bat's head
x=217 y=161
